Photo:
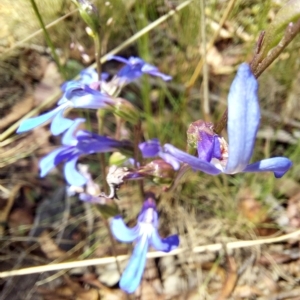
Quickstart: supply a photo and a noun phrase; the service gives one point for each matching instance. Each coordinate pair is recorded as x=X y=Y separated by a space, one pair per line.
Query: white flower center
x=221 y=163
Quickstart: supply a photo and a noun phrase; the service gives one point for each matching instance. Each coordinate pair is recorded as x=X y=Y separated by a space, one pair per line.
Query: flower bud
x=117 y=159
x=194 y=132
x=89 y=14
x=159 y=169
x=126 y=111
x=201 y=136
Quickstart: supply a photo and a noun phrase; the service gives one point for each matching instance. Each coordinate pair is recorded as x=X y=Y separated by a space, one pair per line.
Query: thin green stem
x=97 y=41
x=143 y=47
x=205 y=104
x=47 y=38
x=100 y=116
x=137 y=139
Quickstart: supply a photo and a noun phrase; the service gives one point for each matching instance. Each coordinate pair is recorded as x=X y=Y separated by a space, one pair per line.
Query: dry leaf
x=17 y=111
x=49 y=247
x=250 y=208
x=231 y=279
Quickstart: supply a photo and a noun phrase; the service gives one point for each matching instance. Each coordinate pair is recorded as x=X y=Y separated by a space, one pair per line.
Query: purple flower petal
x=217 y=148
x=132 y=275
x=121 y=232
x=89 y=142
x=31 y=123
x=152 y=70
x=72 y=176
x=243 y=119
x=278 y=165
x=118 y=58
x=193 y=161
x=208 y=146
x=150 y=148
x=166 y=245
x=134 y=68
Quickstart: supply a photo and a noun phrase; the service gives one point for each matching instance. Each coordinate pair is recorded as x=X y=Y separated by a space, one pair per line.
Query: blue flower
x=152 y=148
x=144 y=234
x=134 y=68
x=215 y=155
x=75 y=145
x=88 y=77
x=77 y=95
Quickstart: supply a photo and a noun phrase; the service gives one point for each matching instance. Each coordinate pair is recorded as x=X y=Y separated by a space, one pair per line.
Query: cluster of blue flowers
x=214 y=155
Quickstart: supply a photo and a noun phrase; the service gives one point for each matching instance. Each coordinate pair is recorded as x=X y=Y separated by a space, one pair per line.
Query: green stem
x=205 y=81
x=97 y=41
x=47 y=38
x=137 y=139
x=143 y=47
x=100 y=117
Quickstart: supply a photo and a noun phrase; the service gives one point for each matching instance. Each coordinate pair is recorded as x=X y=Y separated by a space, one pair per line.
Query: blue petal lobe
x=31 y=123
x=49 y=161
x=121 y=232
x=68 y=138
x=243 y=119
x=170 y=160
x=278 y=165
x=166 y=245
x=194 y=162
x=132 y=275
x=150 y=148
x=152 y=70
x=60 y=124
x=72 y=176
x=118 y=58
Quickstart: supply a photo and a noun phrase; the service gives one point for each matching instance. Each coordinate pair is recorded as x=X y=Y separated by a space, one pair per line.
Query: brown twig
x=259 y=65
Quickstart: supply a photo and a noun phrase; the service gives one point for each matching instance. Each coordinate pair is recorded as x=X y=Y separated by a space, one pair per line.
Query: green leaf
x=117 y=159
x=275 y=32
x=108 y=211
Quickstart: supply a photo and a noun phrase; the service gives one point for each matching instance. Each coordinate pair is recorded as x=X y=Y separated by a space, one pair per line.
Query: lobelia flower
x=144 y=234
x=74 y=145
x=76 y=95
x=214 y=154
x=134 y=68
x=88 y=76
